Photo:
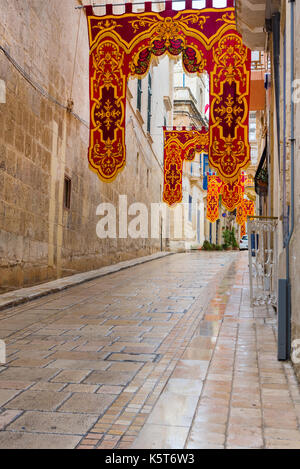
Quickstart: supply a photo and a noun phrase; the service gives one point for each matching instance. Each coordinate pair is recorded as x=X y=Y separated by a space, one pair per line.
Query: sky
x=200 y=4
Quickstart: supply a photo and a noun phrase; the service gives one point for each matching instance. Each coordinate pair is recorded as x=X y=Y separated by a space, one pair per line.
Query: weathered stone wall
x=278 y=195
x=295 y=244
x=40 y=143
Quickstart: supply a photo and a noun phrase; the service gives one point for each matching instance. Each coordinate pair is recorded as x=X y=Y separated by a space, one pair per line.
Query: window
x=67 y=193
x=149 y=103
x=252 y=127
x=201 y=105
x=217 y=231
x=190 y=207
x=254 y=152
x=206 y=170
x=139 y=95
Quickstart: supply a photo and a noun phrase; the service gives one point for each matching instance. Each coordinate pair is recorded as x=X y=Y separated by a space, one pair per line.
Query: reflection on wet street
x=167 y=354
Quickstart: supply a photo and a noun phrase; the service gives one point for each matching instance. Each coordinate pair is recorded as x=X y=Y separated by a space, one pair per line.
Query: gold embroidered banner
x=230 y=99
x=123 y=46
x=233 y=193
x=214 y=188
x=249 y=208
x=245 y=209
x=180 y=145
x=243 y=230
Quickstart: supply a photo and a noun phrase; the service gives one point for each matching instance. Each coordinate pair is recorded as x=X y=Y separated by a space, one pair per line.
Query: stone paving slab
x=248 y=400
x=21 y=440
x=50 y=422
x=99 y=352
x=24 y=295
x=142 y=359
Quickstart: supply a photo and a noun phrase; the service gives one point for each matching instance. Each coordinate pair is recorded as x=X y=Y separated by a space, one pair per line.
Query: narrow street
x=167 y=354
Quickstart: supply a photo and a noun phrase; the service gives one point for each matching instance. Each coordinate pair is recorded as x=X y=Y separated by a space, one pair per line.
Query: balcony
x=252 y=16
x=183 y=93
x=195 y=175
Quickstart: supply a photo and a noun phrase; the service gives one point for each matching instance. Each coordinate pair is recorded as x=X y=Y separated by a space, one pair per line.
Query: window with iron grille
x=149 y=103
x=139 y=95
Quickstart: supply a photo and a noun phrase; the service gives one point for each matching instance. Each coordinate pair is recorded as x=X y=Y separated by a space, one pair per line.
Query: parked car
x=244 y=243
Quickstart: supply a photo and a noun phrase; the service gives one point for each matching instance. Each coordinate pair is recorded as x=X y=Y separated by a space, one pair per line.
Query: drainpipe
x=292 y=139
x=284 y=207
x=276 y=55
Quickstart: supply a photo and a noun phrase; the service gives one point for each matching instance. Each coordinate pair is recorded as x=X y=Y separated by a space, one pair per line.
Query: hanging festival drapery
x=243 y=230
x=249 y=210
x=123 y=46
x=240 y=213
x=213 y=197
x=233 y=193
x=229 y=94
x=180 y=145
x=245 y=209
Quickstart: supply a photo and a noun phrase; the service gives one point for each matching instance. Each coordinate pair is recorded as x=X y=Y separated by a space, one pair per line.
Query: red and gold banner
x=180 y=145
x=249 y=208
x=245 y=209
x=243 y=230
x=213 y=196
x=123 y=46
x=229 y=105
x=240 y=214
x=233 y=193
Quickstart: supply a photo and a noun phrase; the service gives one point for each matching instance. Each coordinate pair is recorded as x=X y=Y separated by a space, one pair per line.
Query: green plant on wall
x=207 y=246
x=233 y=240
x=229 y=239
x=263 y=176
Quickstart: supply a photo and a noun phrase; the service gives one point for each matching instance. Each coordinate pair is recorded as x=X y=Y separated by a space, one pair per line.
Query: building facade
x=276 y=32
x=48 y=195
x=189 y=226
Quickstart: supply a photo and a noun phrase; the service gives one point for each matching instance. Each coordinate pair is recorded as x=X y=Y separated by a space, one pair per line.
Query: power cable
x=39 y=88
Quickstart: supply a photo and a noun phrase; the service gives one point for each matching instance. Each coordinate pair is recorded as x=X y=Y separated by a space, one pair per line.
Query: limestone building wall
x=295 y=242
x=41 y=143
x=276 y=199
x=188 y=222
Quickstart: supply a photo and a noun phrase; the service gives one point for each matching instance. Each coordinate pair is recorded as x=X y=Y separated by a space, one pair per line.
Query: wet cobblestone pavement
x=166 y=354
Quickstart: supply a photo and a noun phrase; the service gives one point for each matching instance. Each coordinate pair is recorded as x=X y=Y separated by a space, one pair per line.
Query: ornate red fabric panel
x=243 y=230
x=108 y=101
x=233 y=193
x=213 y=197
x=245 y=209
x=240 y=213
x=249 y=208
x=180 y=145
x=232 y=196
x=123 y=46
x=229 y=105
